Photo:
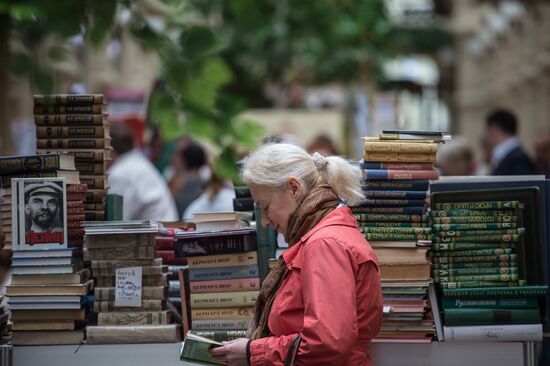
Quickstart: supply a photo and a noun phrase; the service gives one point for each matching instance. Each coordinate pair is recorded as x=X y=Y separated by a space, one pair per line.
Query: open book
x=196 y=349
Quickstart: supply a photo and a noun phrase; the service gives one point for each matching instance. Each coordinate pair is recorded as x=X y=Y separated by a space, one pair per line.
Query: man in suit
x=507 y=156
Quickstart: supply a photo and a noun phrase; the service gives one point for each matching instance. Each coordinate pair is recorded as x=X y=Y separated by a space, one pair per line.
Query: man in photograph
x=43 y=207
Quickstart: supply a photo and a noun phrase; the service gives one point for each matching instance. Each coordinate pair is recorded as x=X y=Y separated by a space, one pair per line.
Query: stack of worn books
x=47 y=294
x=48 y=165
x=131 y=284
x=480 y=266
x=397 y=169
x=77 y=124
x=223 y=279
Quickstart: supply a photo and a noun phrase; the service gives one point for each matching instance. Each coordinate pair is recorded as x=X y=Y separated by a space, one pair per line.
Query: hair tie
x=319 y=160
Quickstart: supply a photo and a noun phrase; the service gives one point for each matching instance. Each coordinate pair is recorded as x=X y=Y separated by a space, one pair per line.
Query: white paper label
x=128 y=287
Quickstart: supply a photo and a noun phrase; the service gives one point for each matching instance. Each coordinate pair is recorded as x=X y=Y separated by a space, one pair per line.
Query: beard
x=44 y=219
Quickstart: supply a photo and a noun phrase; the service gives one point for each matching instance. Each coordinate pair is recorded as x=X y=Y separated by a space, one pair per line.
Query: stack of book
x=47 y=294
x=130 y=292
x=48 y=165
x=394 y=219
x=77 y=125
x=223 y=279
x=477 y=259
x=164 y=244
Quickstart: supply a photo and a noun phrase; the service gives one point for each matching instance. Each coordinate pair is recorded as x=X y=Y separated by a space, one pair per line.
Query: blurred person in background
x=456 y=158
x=131 y=175
x=324 y=145
x=189 y=183
x=217 y=197
x=507 y=155
x=542 y=152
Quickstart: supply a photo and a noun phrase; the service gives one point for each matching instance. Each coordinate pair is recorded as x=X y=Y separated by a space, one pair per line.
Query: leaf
x=102 y=14
x=57 y=53
x=197 y=42
x=165 y=114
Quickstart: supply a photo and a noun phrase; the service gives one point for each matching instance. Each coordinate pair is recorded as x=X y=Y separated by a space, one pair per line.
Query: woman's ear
x=294 y=187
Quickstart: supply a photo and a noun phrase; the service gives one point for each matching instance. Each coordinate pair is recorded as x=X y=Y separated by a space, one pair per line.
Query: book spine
x=462 y=213
x=79 y=155
x=394 y=230
x=397 y=185
x=119 y=240
x=208 y=274
x=146 y=305
x=119 y=253
x=473 y=253
x=223 y=299
x=68 y=132
x=475 y=271
x=220 y=324
x=528 y=291
x=69 y=143
x=214 y=245
x=155 y=280
x=223 y=260
x=475 y=233
x=75 y=199
x=69 y=119
x=399 y=147
x=94 y=182
x=94 y=206
x=133 y=318
x=390 y=218
x=454 y=317
x=76 y=217
x=68 y=99
x=492 y=333
x=477 y=205
x=91 y=168
x=474 y=219
x=392 y=203
x=147 y=293
x=222 y=313
x=475 y=284
x=409 y=195
x=396 y=237
x=381 y=174
x=469 y=246
x=475 y=226
x=13 y=165
x=472 y=259
x=420 y=210
x=69 y=109
x=394 y=157
x=392 y=224
x=94 y=216
x=240 y=284
x=169 y=257
x=490 y=303
x=395 y=166
x=95 y=195
x=479 y=239
x=474 y=265
x=165 y=243
x=106 y=334
x=481 y=278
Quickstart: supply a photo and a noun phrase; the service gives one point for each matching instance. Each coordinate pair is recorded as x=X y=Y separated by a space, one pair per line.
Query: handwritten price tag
x=128 y=287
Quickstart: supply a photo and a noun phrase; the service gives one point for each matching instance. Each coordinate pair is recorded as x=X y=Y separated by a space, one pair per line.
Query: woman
x=326 y=288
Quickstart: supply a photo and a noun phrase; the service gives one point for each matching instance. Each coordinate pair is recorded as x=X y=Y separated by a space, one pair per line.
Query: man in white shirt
x=145 y=194
x=507 y=156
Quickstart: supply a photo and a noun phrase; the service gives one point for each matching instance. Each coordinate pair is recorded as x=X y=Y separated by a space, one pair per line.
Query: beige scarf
x=313 y=207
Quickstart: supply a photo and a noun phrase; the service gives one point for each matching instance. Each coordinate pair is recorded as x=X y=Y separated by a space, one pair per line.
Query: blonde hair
x=273 y=165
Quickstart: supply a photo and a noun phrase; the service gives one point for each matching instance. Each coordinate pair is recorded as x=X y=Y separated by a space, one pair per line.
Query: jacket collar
x=341 y=216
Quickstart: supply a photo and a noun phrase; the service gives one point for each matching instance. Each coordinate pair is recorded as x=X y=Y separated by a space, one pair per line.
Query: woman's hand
x=232 y=353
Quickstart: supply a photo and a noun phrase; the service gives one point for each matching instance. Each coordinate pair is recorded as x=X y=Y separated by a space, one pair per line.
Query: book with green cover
x=445 y=213
x=477 y=233
x=475 y=226
x=474 y=219
x=479 y=239
x=482 y=278
x=477 y=205
x=491 y=316
x=473 y=253
x=476 y=284
x=490 y=303
x=475 y=271
x=196 y=349
x=495 y=291
x=468 y=246
x=474 y=265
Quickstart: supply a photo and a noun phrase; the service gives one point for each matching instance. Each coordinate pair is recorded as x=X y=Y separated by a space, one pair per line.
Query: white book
x=47 y=261
x=44 y=253
x=44 y=270
x=494 y=333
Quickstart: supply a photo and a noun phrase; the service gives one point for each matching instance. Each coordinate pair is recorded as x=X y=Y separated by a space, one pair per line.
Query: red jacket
x=331 y=296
